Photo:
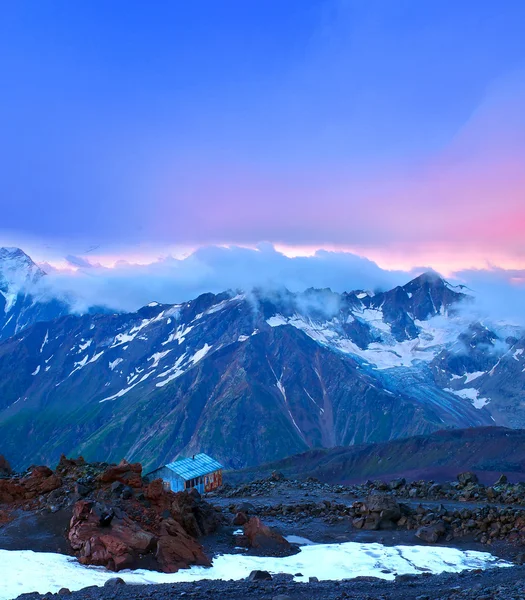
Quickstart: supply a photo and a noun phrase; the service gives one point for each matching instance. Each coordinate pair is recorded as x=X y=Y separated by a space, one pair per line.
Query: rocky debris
x=39 y=481
x=466 y=488
x=468 y=478
x=264 y=539
x=494 y=584
x=485 y=524
x=117 y=518
x=5 y=467
x=125 y=473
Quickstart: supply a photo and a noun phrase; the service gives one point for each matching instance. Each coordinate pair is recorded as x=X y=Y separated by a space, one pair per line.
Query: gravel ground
x=498 y=584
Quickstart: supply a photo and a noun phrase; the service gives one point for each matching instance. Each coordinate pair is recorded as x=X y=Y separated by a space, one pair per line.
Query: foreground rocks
x=499 y=584
x=117 y=519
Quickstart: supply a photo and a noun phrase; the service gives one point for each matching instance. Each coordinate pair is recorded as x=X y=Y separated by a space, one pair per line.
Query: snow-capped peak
x=17 y=270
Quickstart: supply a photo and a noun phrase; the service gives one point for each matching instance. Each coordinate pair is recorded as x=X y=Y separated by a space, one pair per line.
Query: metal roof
x=189 y=468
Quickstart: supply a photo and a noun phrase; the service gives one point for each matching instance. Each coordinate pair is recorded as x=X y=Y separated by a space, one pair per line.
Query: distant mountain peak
x=17 y=268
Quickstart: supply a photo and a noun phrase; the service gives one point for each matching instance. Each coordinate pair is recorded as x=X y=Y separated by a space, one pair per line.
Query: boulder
x=382 y=512
x=177 y=550
x=114 y=581
x=115 y=546
x=264 y=539
x=259 y=576
x=431 y=533
x=467 y=478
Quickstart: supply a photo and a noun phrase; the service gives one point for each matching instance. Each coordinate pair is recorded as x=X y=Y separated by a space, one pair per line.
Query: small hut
x=199 y=471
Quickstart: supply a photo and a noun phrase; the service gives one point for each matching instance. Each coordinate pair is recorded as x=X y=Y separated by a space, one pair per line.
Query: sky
x=137 y=131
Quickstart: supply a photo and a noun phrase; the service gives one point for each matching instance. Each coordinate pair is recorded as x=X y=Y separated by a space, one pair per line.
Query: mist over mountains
x=248 y=376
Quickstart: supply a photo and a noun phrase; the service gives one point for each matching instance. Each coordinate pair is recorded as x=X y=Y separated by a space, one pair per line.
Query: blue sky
x=308 y=124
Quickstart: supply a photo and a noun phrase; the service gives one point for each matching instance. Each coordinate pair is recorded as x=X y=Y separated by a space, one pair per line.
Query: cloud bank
x=499 y=293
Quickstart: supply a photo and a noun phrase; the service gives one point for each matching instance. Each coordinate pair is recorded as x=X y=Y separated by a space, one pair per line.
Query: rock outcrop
x=117 y=518
x=264 y=539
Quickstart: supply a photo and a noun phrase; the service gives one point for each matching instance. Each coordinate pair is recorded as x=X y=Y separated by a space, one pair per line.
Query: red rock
x=262 y=537
x=177 y=550
x=127 y=473
x=115 y=547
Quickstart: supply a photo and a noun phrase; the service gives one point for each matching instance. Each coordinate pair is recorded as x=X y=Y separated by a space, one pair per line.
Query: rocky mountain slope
x=486 y=451
x=254 y=377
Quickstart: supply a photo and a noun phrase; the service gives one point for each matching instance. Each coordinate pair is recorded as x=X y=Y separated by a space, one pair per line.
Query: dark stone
x=240 y=519
x=395 y=484
x=431 y=533
x=117 y=487
x=127 y=493
x=245 y=507
x=259 y=576
x=64 y=591
x=114 y=581
x=467 y=478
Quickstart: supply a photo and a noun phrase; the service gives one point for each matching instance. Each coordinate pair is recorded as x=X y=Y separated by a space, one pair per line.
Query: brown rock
x=127 y=473
x=177 y=550
x=240 y=519
x=115 y=547
x=260 y=536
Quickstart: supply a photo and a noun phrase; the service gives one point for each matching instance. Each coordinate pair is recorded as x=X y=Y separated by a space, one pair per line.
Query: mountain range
x=247 y=376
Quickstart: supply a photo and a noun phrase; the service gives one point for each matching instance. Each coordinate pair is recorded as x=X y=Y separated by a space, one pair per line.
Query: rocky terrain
x=106 y=515
x=463 y=513
x=502 y=584
x=434 y=512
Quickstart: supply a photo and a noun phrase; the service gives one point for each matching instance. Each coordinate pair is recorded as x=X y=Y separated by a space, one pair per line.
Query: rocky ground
x=64 y=510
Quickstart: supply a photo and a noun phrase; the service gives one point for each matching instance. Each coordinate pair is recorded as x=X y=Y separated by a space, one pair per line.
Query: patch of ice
x=276 y=321
x=36 y=371
x=517 y=354
x=48 y=572
x=471 y=376
x=301 y=541
x=124 y=391
x=469 y=394
x=178 y=335
x=157 y=357
x=361 y=295
x=46 y=338
x=114 y=363
x=200 y=354
x=82 y=347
